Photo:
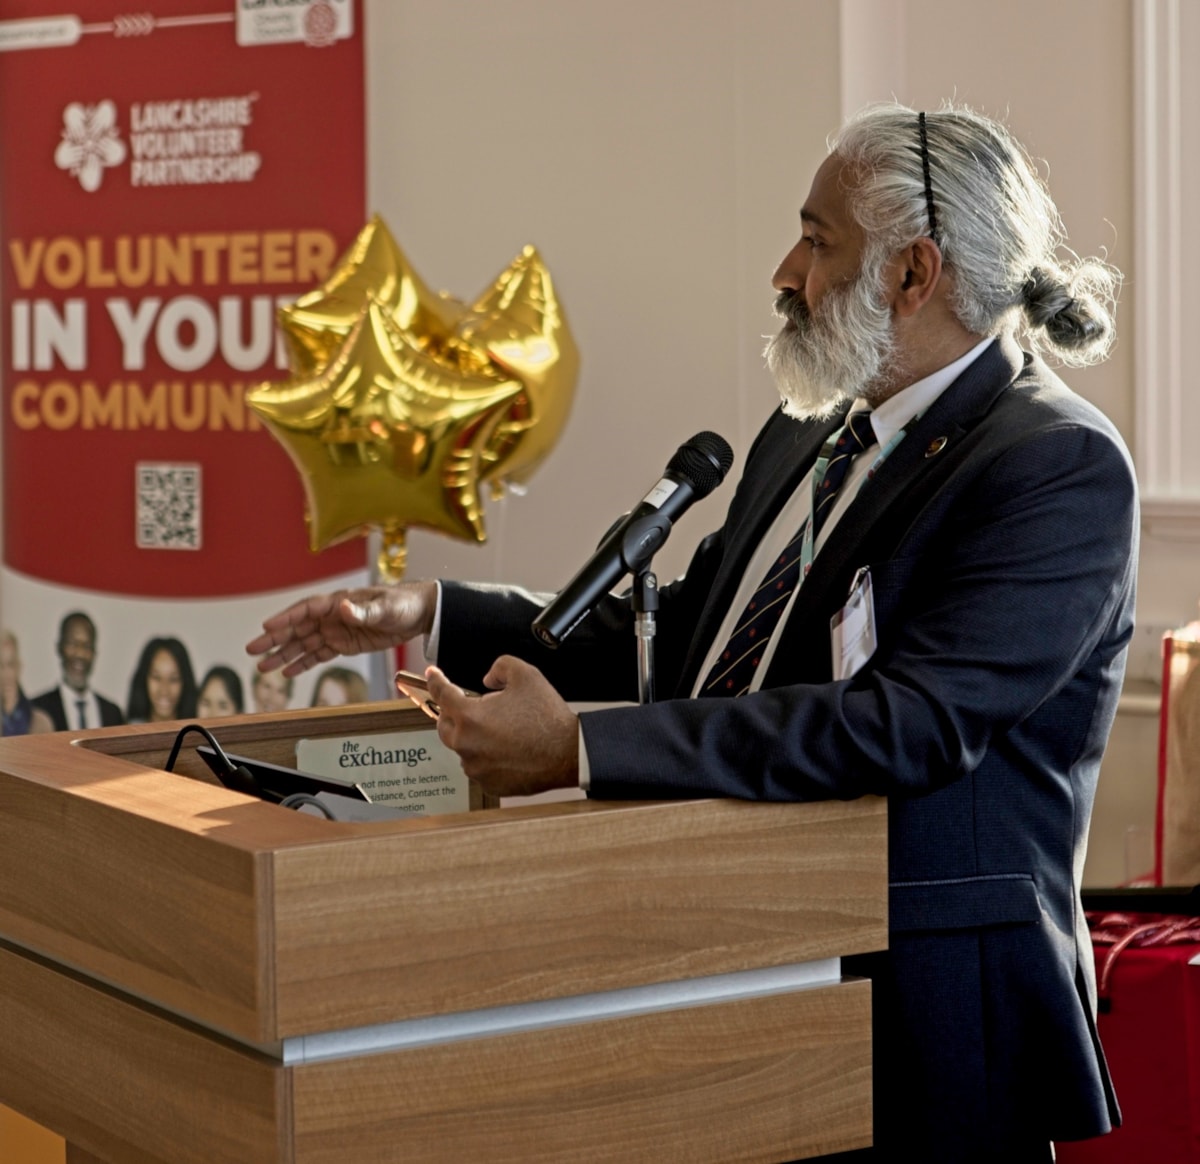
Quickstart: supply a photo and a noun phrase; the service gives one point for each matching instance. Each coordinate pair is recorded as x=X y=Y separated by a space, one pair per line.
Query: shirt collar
x=896 y=411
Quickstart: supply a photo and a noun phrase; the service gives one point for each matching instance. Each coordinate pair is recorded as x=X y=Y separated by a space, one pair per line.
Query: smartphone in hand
x=416 y=688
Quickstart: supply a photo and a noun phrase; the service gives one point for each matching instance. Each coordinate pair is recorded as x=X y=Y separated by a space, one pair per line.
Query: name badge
x=852 y=629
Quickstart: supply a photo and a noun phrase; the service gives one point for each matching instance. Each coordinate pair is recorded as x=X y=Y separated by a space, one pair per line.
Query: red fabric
x=1151 y=1037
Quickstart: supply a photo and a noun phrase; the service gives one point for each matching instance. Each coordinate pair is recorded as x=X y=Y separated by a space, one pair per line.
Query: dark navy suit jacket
x=1003 y=563
x=52 y=704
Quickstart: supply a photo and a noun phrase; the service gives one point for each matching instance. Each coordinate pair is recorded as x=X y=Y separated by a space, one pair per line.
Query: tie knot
x=858 y=425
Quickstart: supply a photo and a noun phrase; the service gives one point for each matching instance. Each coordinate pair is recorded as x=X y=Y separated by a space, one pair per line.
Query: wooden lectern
x=192 y=976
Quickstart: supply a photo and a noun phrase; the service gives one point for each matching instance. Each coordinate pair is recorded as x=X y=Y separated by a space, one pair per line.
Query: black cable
x=240 y=779
x=299 y=800
x=212 y=740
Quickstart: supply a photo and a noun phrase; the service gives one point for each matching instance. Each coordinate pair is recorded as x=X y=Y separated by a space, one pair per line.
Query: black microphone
x=697 y=468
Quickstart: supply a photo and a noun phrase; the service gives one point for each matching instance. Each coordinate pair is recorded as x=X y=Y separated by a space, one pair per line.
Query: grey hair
x=999 y=231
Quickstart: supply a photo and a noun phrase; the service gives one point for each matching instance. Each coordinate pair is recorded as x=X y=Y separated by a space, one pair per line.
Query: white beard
x=824 y=358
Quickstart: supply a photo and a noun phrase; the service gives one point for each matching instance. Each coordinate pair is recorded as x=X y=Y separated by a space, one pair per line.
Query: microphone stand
x=645 y=604
x=638 y=545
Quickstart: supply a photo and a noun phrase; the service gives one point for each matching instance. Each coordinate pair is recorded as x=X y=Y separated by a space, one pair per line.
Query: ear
x=918 y=270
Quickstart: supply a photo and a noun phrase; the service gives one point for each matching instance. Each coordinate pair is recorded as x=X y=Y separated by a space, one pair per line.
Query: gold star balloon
x=520 y=325
x=402 y=403
x=373 y=267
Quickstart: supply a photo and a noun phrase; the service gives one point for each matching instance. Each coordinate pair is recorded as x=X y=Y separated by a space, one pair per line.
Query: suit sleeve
x=1021 y=585
x=597 y=662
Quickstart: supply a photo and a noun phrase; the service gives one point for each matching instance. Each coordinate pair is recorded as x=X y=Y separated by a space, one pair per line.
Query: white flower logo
x=89 y=142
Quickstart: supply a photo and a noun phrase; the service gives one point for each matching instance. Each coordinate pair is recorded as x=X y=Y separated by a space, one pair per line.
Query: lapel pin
x=935 y=446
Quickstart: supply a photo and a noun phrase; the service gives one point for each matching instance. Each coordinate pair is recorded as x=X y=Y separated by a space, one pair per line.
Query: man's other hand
x=518 y=739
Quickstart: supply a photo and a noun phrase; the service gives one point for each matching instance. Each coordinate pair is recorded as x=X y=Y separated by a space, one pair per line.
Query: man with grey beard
x=932 y=480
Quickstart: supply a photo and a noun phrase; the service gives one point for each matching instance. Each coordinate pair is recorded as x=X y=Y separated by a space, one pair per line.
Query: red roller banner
x=168 y=178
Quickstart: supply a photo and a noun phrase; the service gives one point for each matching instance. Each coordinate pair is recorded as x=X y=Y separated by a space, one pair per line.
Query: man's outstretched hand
x=346 y=622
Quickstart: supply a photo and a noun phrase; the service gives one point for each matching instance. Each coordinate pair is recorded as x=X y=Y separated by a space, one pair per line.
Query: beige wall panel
x=657 y=154
x=25 y=1142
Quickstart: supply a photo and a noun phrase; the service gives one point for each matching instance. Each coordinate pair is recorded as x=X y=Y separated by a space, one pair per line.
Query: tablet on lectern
x=273 y=782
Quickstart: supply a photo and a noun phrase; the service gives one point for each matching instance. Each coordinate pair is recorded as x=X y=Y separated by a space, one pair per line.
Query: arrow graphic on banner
x=317 y=23
x=64 y=31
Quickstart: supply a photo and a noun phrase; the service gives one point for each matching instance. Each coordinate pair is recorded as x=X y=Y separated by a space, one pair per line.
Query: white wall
x=1060 y=74
x=657 y=153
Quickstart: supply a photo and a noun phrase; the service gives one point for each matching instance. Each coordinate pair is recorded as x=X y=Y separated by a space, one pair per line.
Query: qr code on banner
x=168 y=506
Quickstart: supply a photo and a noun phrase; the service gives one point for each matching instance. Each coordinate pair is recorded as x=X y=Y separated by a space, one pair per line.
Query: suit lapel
x=953 y=414
x=777 y=473
x=788 y=450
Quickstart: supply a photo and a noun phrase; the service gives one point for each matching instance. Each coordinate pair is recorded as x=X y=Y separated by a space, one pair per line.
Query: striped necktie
x=855 y=437
x=734 y=669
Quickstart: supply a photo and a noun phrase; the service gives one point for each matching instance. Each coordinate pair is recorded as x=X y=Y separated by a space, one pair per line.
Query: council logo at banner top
x=317 y=23
x=90 y=142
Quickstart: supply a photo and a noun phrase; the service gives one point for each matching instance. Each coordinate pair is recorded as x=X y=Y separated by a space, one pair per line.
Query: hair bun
x=1067 y=311
x=1044 y=297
